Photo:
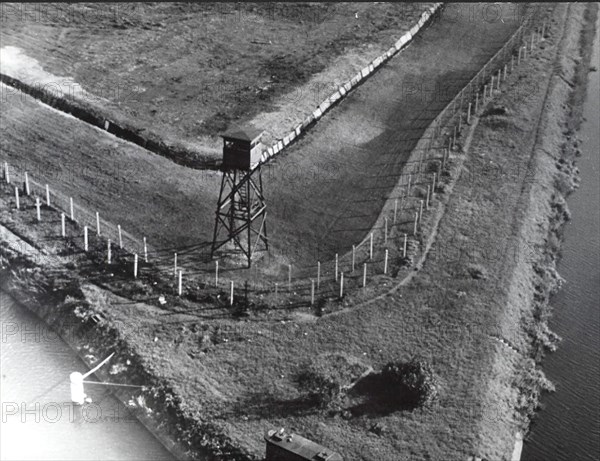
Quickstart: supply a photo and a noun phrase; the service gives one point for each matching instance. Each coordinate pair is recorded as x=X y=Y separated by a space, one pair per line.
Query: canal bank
x=459 y=316
x=568 y=426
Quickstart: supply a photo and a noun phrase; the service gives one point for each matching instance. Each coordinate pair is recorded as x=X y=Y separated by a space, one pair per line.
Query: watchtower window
x=229 y=144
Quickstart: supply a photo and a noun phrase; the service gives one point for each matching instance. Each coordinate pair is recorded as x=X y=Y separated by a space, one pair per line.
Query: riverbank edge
x=82 y=333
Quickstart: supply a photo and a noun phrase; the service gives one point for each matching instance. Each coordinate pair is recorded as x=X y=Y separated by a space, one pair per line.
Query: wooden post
x=404 y=249
x=519 y=57
x=484 y=92
x=395 y=209
x=27 y=191
x=512 y=63
x=109 y=252
x=408 y=188
x=492 y=88
x=353 y=256
x=415 y=226
x=17 y=198
x=175 y=264
x=6 y=173
x=312 y=292
x=420 y=210
x=499 y=77
x=505 y=67
x=85 y=238
x=341 y=285
x=216 y=273
x=230 y=293
x=454 y=139
x=47 y=195
x=476 y=101
x=72 y=208
x=385 y=262
x=120 y=236
x=336 y=267
x=371 y=246
x=37 y=207
x=97 y=223
x=427 y=198
x=63 y=230
x=385 y=235
x=289 y=277
x=180 y=285
x=276 y=291
x=459 y=122
x=135 y=266
x=433 y=184
x=318 y=274
x=364 y=275
x=469 y=113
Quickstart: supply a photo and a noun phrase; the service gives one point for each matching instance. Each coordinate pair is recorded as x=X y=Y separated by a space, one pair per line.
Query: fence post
x=395 y=209
x=63 y=230
x=404 y=248
x=433 y=185
x=27 y=190
x=499 y=77
x=109 y=253
x=408 y=187
x=47 y=195
x=341 y=285
x=135 y=265
x=477 y=100
x=145 y=251
x=85 y=238
x=312 y=292
x=230 y=292
x=415 y=226
x=385 y=238
x=505 y=67
x=289 y=277
x=216 y=273
x=175 y=264
x=353 y=256
x=318 y=274
x=371 y=246
x=6 y=173
x=420 y=210
x=37 y=207
x=17 y=198
x=120 y=236
x=427 y=198
x=336 y=267
x=72 y=208
x=364 y=275
x=492 y=88
x=469 y=113
x=180 y=284
x=97 y=223
x=385 y=262
x=512 y=63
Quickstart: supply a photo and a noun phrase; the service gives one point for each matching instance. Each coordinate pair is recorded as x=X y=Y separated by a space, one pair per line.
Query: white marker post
x=395 y=209
x=180 y=284
x=216 y=273
x=385 y=262
x=476 y=101
x=120 y=236
x=371 y=245
x=416 y=221
x=63 y=230
x=18 y=205
x=312 y=292
x=109 y=253
x=484 y=92
x=498 y=79
x=318 y=274
x=505 y=70
x=404 y=249
x=231 y=294
x=145 y=250
x=47 y=195
x=492 y=88
x=27 y=191
x=6 y=173
x=341 y=285
x=97 y=223
x=469 y=113
x=336 y=267
x=427 y=197
x=37 y=207
x=420 y=210
x=77 y=394
x=72 y=208
x=364 y=275
x=135 y=266
x=85 y=238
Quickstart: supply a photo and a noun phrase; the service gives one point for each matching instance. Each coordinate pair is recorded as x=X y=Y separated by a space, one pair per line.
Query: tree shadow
x=374 y=395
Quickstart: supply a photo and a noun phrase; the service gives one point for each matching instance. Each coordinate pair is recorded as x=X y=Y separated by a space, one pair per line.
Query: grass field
x=239 y=374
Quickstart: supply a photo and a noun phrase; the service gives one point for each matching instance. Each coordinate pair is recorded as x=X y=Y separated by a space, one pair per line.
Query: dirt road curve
x=323 y=194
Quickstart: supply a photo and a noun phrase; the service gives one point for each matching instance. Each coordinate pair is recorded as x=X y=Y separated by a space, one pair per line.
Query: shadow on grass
x=373 y=395
x=265 y=406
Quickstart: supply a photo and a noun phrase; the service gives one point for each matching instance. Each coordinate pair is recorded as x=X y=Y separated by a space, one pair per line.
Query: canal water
x=38 y=420
x=568 y=427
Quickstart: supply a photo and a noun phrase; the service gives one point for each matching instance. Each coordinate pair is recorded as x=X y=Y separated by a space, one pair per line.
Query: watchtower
x=241 y=210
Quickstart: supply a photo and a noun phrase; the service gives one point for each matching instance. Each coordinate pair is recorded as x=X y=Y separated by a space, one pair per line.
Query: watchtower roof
x=249 y=134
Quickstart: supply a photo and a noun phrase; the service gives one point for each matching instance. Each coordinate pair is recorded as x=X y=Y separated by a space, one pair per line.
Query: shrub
x=321 y=387
x=415 y=381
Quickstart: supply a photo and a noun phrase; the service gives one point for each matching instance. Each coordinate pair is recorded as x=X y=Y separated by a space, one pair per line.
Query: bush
x=321 y=387
x=415 y=381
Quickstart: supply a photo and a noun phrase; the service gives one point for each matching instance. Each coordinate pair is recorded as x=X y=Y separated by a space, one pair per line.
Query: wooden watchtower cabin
x=241 y=210
x=284 y=446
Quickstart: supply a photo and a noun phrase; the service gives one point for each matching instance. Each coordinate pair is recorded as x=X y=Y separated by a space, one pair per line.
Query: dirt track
x=323 y=194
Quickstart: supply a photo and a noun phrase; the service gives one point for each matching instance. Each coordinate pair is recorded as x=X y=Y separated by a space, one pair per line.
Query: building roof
x=247 y=133
x=298 y=445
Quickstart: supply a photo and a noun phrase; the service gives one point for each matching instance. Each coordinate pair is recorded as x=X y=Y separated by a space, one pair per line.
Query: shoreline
x=547 y=281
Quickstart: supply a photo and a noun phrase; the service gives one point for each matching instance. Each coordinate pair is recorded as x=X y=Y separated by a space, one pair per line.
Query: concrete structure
x=283 y=446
